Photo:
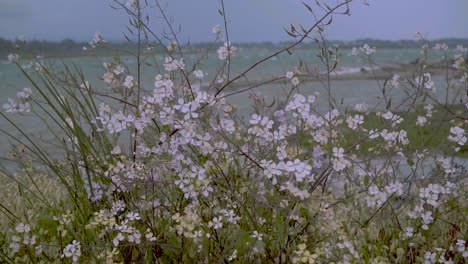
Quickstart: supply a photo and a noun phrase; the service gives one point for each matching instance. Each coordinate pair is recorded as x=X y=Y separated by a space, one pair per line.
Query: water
x=346 y=92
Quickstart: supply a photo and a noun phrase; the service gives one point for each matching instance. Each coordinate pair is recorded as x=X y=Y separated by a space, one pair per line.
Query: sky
x=248 y=20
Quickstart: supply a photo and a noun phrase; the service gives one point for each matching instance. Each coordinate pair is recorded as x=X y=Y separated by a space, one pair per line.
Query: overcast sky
x=249 y=20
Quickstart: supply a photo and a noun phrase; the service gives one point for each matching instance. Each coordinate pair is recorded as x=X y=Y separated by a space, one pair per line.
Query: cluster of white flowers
x=339 y=161
x=114 y=123
x=421 y=121
x=261 y=126
x=459 y=61
x=354 y=52
x=354 y=122
x=395 y=81
x=424 y=49
x=394 y=137
x=366 y=49
x=429 y=110
x=377 y=198
x=350 y=247
x=393 y=117
x=442 y=47
x=188 y=224
x=302 y=255
x=189 y=109
x=113 y=74
x=172 y=64
x=36 y=66
x=300 y=169
x=97 y=39
x=457 y=135
x=461 y=247
x=446 y=164
x=208 y=160
x=13 y=58
x=163 y=87
x=363 y=108
x=425 y=81
x=22 y=237
x=199 y=74
x=430 y=194
x=23 y=105
x=294 y=80
x=128 y=82
x=225 y=51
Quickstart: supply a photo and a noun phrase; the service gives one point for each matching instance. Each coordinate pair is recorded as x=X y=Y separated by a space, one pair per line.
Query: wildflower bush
x=173 y=173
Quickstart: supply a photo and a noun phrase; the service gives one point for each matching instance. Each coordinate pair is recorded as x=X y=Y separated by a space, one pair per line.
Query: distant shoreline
x=71 y=48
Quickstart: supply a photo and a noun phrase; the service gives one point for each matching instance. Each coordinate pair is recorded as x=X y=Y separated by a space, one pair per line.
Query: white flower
x=340 y=164
x=13 y=58
x=108 y=77
x=128 y=83
x=25 y=93
x=388 y=115
x=225 y=51
x=409 y=231
x=199 y=74
x=23 y=228
x=338 y=152
x=421 y=121
x=217 y=29
x=72 y=250
x=442 y=46
x=295 y=81
x=354 y=52
x=132 y=216
x=117 y=239
x=131 y=3
x=118 y=70
x=14 y=107
x=216 y=223
x=363 y=108
x=173 y=64
x=457 y=135
x=425 y=80
x=233 y=256
x=353 y=122
x=257 y=235
x=368 y=50
x=395 y=187
x=460 y=48
x=289 y=74
x=98 y=38
x=395 y=80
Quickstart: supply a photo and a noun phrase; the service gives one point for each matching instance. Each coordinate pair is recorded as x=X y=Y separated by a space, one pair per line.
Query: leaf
x=290 y=34
x=293 y=29
x=308 y=7
x=304 y=213
x=366 y=180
